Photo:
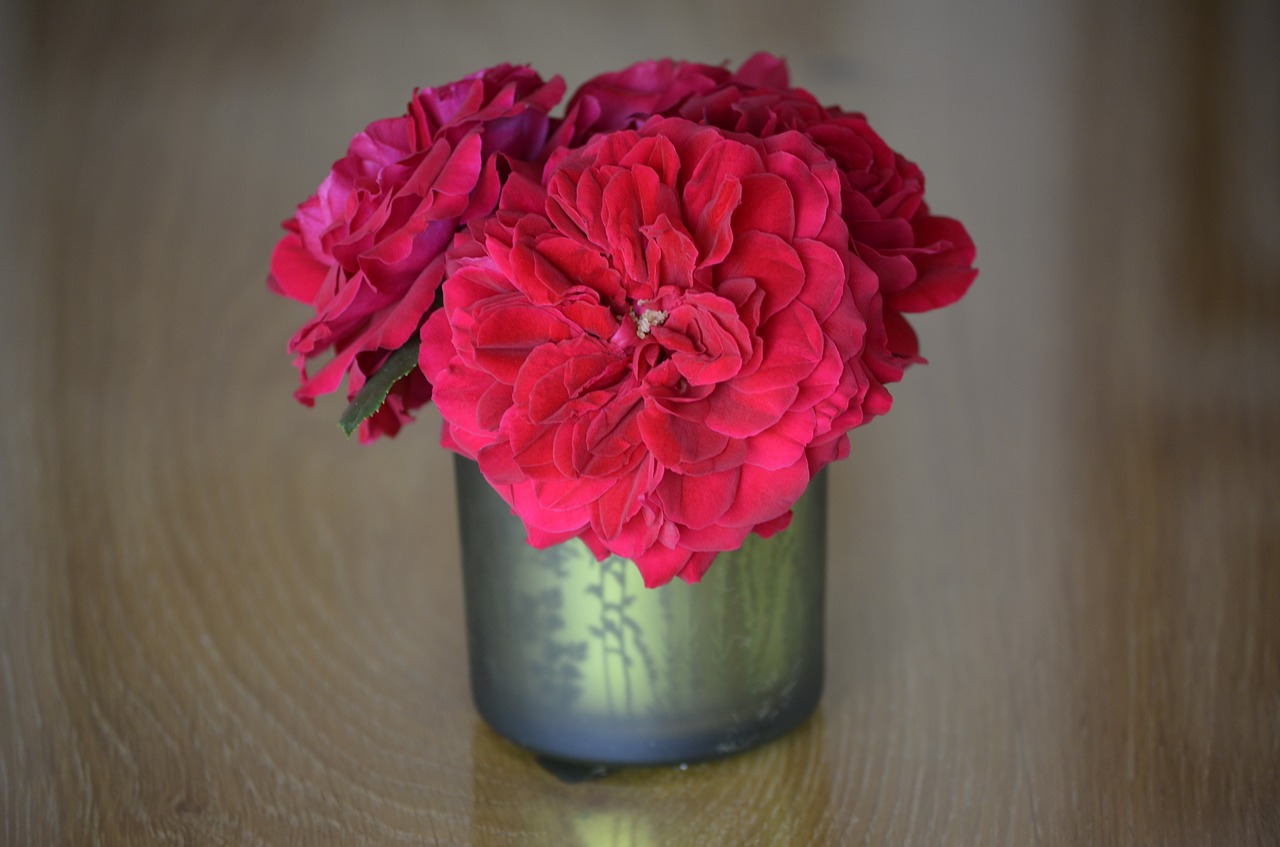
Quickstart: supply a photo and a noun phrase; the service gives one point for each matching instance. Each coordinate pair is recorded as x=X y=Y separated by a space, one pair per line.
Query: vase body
x=575 y=659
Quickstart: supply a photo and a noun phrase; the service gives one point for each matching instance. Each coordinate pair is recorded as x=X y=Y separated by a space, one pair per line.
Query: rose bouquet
x=650 y=321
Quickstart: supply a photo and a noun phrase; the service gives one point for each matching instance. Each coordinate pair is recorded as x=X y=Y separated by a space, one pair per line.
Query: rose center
x=647 y=320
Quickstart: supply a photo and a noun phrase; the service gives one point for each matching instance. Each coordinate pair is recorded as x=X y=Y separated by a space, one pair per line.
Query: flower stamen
x=647 y=320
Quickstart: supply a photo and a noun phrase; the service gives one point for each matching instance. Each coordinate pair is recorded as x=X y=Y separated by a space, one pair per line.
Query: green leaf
x=372 y=394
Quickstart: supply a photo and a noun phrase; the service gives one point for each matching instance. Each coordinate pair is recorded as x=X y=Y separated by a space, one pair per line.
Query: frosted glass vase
x=576 y=660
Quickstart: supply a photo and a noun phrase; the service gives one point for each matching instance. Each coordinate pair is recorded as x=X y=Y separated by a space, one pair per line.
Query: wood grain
x=1056 y=564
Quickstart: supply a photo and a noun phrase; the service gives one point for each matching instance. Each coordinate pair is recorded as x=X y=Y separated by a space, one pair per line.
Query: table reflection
x=639 y=807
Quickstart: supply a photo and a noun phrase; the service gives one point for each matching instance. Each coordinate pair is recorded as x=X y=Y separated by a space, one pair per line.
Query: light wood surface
x=1055 y=581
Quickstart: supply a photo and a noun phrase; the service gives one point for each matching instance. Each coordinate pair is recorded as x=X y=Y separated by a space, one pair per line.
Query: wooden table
x=1055 y=576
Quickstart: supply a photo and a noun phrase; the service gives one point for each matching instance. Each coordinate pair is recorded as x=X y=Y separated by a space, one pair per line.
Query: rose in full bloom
x=650 y=321
x=366 y=250
x=923 y=261
x=656 y=346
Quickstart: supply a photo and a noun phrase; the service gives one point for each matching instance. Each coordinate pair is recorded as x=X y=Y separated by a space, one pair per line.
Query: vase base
x=579 y=747
x=572 y=773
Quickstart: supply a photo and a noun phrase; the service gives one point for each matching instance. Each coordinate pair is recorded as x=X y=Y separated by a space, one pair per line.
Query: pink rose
x=366 y=251
x=923 y=261
x=656 y=347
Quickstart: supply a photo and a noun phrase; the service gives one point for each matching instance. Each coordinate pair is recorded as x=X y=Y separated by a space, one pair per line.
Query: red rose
x=923 y=261
x=657 y=347
x=627 y=98
x=366 y=251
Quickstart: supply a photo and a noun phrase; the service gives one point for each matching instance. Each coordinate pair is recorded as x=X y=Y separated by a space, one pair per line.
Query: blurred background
x=1056 y=614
